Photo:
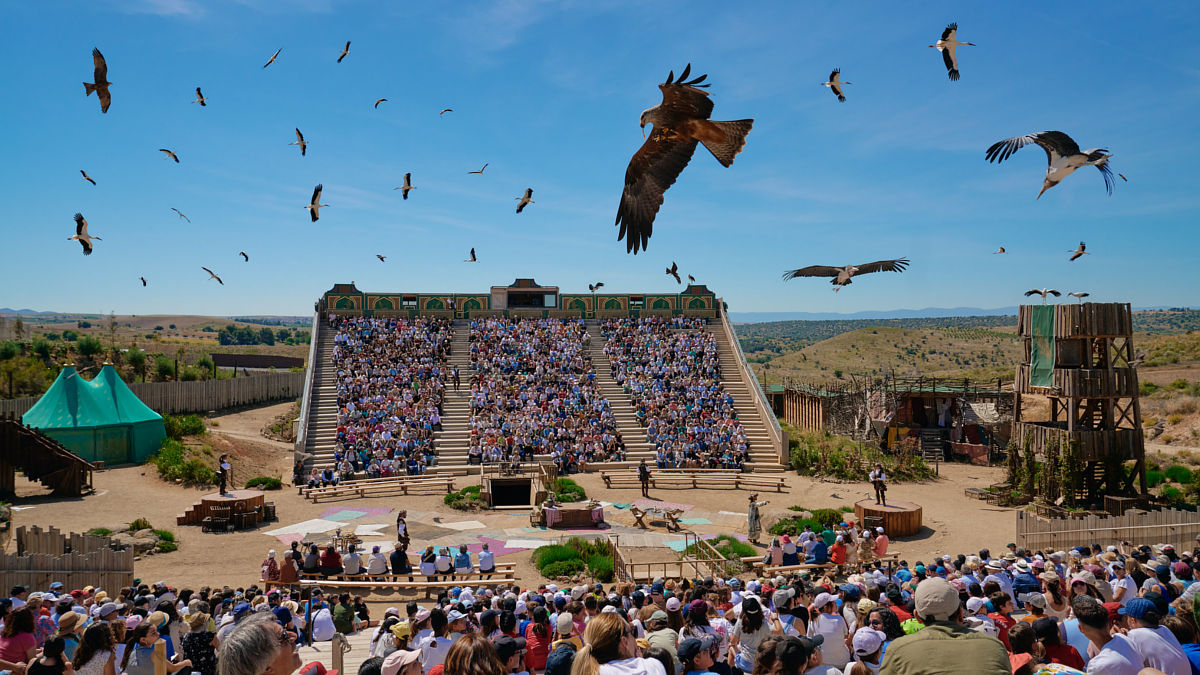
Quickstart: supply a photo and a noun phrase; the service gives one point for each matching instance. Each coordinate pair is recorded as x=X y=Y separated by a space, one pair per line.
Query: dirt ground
x=953 y=523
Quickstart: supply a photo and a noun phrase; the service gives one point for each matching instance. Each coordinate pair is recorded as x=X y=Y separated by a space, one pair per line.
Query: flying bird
x=300 y=142
x=1078 y=295
x=673 y=271
x=181 y=215
x=382 y=258
x=527 y=199
x=81 y=234
x=243 y=254
x=1062 y=156
x=170 y=154
x=841 y=275
x=1079 y=252
x=200 y=98
x=1123 y=177
x=445 y=110
x=407 y=186
x=691 y=279
x=345 y=51
x=143 y=280
x=596 y=286
x=999 y=251
x=480 y=169
x=1042 y=292
x=472 y=258
x=835 y=84
x=314 y=206
x=87 y=177
x=211 y=275
x=947 y=46
x=379 y=101
x=101 y=84
x=680 y=122
x=272 y=59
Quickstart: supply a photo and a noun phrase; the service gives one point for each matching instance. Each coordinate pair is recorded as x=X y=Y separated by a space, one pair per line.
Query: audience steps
x=323 y=407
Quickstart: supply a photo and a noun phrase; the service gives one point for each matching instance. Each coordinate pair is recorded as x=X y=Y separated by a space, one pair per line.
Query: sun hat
x=397 y=660
x=194 y=620
x=68 y=622
x=1021 y=566
x=867 y=641
x=936 y=599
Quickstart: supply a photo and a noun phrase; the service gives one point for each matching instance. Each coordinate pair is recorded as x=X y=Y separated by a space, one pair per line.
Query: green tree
x=164 y=367
x=266 y=336
x=283 y=334
x=136 y=358
x=9 y=350
x=70 y=335
x=42 y=348
x=205 y=364
x=89 y=346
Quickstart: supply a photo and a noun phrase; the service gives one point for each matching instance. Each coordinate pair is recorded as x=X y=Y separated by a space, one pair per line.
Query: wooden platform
x=231 y=505
x=898 y=519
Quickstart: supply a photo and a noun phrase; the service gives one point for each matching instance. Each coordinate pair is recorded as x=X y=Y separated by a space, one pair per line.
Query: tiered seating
x=698 y=478
x=671 y=370
x=375 y=487
x=533 y=392
x=390 y=386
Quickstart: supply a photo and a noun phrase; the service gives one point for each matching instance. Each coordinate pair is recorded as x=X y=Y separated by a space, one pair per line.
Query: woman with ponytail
x=610 y=648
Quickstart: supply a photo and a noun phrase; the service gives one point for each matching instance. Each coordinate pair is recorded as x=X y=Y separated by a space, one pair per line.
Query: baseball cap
x=657 y=588
x=402 y=629
x=566 y=624
x=825 y=598
x=56 y=585
x=108 y=608
x=658 y=615
x=397 y=660
x=507 y=646
x=1138 y=608
x=797 y=650
x=691 y=647
x=422 y=614
x=852 y=591
x=936 y=599
x=673 y=605
x=976 y=604
x=867 y=641
x=455 y=615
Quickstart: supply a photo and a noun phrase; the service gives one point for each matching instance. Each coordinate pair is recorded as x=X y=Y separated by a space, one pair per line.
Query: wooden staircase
x=323 y=406
x=40 y=458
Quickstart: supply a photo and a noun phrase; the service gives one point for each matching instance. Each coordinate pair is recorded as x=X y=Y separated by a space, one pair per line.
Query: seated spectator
x=258 y=646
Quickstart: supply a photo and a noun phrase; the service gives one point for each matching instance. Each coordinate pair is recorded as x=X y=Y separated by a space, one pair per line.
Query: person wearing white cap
x=944 y=646
x=881 y=543
x=402 y=662
x=830 y=624
x=868 y=648
x=996 y=573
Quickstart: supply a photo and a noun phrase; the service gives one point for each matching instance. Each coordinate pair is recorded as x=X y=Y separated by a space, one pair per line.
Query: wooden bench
x=369 y=583
x=502 y=570
x=362 y=488
x=660 y=478
x=780 y=569
x=975 y=493
x=304 y=489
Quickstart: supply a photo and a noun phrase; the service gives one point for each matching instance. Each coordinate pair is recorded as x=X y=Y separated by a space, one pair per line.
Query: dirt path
x=248 y=424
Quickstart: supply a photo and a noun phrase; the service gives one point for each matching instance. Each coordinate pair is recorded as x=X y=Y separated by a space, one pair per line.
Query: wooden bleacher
x=694 y=479
x=374 y=486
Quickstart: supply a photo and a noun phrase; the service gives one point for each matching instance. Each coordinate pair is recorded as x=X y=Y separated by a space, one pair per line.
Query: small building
x=98 y=420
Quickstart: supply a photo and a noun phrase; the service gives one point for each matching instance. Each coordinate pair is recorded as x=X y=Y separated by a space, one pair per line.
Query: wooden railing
x=779 y=439
x=306 y=397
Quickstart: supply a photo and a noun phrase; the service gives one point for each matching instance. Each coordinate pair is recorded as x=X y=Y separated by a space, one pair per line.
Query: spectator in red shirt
x=1048 y=634
x=1001 y=616
x=837 y=552
x=331 y=561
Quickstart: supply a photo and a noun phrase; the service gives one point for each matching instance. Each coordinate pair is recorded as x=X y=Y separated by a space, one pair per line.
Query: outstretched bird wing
x=101 y=79
x=1055 y=143
x=243 y=254
x=951 y=28
x=80 y=225
x=272 y=59
x=948 y=59
x=1035 y=291
x=345 y=51
x=200 y=97
x=87 y=177
x=653 y=169
x=379 y=101
x=898 y=265
x=812 y=271
x=1053 y=292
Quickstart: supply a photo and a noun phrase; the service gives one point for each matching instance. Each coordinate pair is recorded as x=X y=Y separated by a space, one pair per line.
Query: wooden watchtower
x=1080 y=356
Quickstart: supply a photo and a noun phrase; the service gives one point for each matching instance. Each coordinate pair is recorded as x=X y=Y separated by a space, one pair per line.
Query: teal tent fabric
x=100 y=420
x=1041 y=361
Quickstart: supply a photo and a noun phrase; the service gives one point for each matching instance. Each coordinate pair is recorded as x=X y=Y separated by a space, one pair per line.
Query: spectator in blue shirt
x=462 y=561
x=818 y=555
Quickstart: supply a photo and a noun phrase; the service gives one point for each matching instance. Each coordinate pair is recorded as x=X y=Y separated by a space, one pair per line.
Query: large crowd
x=391 y=379
x=672 y=371
x=534 y=392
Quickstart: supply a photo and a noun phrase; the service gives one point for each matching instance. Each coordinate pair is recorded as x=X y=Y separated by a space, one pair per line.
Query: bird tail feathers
x=725 y=139
x=88 y=88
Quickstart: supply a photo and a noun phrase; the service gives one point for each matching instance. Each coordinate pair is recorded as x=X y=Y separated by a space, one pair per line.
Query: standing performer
x=879 y=479
x=753 y=520
x=224 y=471
x=402 y=528
x=644 y=477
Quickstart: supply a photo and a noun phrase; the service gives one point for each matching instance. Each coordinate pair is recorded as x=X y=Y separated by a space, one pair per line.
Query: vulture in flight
x=480 y=169
x=841 y=275
x=87 y=177
x=211 y=276
x=189 y=220
x=1062 y=156
x=835 y=84
x=445 y=110
x=345 y=51
x=406 y=187
x=272 y=59
x=81 y=234
x=300 y=142
x=200 y=98
x=673 y=271
x=1079 y=252
x=170 y=154
x=243 y=254
x=101 y=84
x=947 y=46
x=680 y=122
x=527 y=199
x=314 y=206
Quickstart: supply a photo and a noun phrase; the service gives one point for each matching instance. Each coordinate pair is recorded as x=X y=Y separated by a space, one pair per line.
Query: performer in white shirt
x=879 y=479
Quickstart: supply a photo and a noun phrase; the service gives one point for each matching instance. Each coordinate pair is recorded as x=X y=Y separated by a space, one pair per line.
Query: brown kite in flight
x=680 y=121
x=101 y=84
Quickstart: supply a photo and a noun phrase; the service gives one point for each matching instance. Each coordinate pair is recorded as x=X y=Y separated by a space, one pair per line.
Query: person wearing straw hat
x=199 y=645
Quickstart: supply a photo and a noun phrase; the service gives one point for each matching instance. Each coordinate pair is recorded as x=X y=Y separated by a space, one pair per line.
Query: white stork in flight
x=947 y=46
x=200 y=98
x=345 y=51
x=1062 y=156
x=407 y=186
x=212 y=276
x=527 y=199
x=1079 y=252
x=1042 y=292
x=1000 y=251
x=314 y=206
x=841 y=276
x=472 y=258
x=170 y=154
x=835 y=84
x=300 y=142
x=81 y=234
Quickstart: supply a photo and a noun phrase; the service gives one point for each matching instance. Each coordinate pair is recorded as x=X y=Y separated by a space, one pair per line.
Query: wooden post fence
x=1168 y=526
x=78 y=560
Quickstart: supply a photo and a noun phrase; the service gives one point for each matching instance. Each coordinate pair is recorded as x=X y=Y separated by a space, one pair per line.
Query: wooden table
x=557 y=516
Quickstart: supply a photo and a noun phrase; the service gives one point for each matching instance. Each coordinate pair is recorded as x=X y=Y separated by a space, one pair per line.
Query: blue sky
x=548 y=94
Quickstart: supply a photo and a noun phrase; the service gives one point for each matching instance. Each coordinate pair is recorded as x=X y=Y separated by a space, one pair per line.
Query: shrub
x=167 y=546
x=823 y=454
x=163 y=367
x=601 y=568
x=452 y=500
x=140 y=524
x=568 y=490
x=1177 y=473
x=547 y=555
x=165 y=535
x=827 y=516
x=88 y=346
x=172 y=463
x=794 y=526
x=9 y=350
x=1154 y=478
x=563 y=568
x=99 y=531
x=189 y=374
x=178 y=427
x=266 y=482
x=466 y=499
x=472 y=490
x=1174 y=419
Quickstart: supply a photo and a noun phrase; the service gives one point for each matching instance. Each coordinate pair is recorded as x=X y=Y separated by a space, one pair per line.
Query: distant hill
x=928 y=312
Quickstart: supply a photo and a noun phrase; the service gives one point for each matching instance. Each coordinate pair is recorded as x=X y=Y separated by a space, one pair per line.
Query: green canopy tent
x=100 y=420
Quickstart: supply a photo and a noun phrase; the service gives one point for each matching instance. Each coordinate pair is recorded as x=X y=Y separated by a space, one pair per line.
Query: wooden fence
x=199 y=396
x=1168 y=526
x=76 y=560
